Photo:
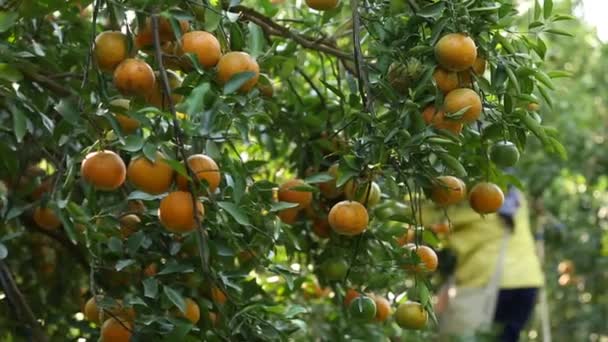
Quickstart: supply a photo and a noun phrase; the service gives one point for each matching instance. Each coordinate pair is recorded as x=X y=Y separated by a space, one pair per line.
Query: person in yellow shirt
x=484 y=256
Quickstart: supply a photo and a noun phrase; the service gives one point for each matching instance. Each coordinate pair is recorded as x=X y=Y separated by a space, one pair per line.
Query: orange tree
x=249 y=170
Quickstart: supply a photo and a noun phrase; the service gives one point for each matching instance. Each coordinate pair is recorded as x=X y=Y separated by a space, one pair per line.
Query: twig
x=364 y=88
x=50 y=84
x=202 y=235
x=312 y=85
x=21 y=308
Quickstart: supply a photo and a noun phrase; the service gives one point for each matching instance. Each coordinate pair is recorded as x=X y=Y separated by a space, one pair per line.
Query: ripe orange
x=152 y=177
x=205 y=169
x=446 y=80
x=136 y=207
x=129 y=224
x=321 y=227
x=289 y=215
x=113 y=330
x=286 y=194
x=145 y=36
x=348 y=218
x=442 y=228
x=565 y=267
x=437 y=119
x=134 y=77
x=151 y=269
x=322 y=5
x=368 y=193
x=193 y=313
x=350 y=295
x=265 y=86
x=91 y=311
x=448 y=190
x=461 y=98
x=105 y=170
x=329 y=189
x=407 y=237
x=383 y=308
x=479 y=67
x=533 y=107
x=428 y=259
x=486 y=198
x=218 y=296
x=176 y=212
x=204 y=45
x=237 y=62
x=127 y=124
x=46 y=218
x=111 y=48
x=456 y=52
x=411 y=315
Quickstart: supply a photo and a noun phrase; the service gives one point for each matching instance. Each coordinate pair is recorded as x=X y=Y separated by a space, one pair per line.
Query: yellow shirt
x=476 y=240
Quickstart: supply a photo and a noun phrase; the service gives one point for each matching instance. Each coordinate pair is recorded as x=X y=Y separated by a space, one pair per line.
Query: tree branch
x=364 y=88
x=22 y=310
x=274 y=29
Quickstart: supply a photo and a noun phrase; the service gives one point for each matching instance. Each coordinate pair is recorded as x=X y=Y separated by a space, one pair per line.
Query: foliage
x=334 y=101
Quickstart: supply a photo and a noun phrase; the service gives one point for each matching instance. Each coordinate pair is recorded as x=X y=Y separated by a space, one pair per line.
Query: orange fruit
x=204 y=45
x=113 y=330
x=383 y=308
x=193 y=313
x=152 y=177
x=533 y=107
x=411 y=315
x=44 y=187
x=145 y=36
x=479 y=67
x=446 y=80
x=286 y=194
x=157 y=97
x=129 y=224
x=322 y=5
x=91 y=311
x=136 y=207
x=350 y=295
x=105 y=170
x=447 y=190
x=218 y=296
x=348 y=218
x=442 y=228
x=437 y=119
x=237 y=62
x=134 y=77
x=329 y=189
x=127 y=124
x=407 y=238
x=362 y=309
x=111 y=48
x=461 y=98
x=176 y=212
x=46 y=218
x=565 y=266
x=486 y=198
x=205 y=169
x=289 y=215
x=428 y=259
x=456 y=52
x=265 y=86
x=321 y=228
x=151 y=270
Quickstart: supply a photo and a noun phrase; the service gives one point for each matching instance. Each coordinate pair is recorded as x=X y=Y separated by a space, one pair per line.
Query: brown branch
x=312 y=85
x=48 y=83
x=274 y=29
x=22 y=310
x=202 y=235
x=364 y=88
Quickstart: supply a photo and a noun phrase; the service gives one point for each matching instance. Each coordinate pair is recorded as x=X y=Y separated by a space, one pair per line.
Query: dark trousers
x=513 y=310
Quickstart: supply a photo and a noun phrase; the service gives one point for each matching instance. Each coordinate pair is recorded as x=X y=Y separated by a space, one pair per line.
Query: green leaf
x=547 y=8
x=135 y=241
x=237 y=81
x=7 y=20
x=318 y=178
x=149 y=151
x=124 y=263
x=235 y=212
x=150 y=287
x=537 y=10
x=175 y=297
x=194 y=103
x=115 y=245
x=513 y=79
x=294 y=310
x=453 y=164
x=19 y=123
x=174 y=267
x=69 y=110
x=3 y=251
x=256 y=39
x=559 y=32
x=544 y=79
x=178 y=167
x=431 y=11
x=133 y=143
x=7 y=72
x=278 y=206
